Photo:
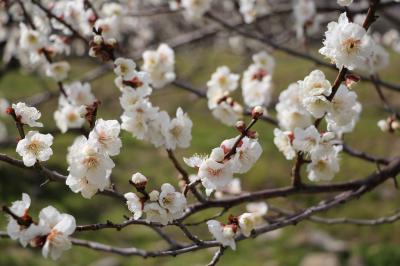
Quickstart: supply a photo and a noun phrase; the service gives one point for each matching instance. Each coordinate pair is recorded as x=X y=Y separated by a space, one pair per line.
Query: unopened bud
x=97 y=39
x=240 y=126
x=395 y=125
x=351 y=79
x=10 y=111
x=257 y=112
x=139 y=180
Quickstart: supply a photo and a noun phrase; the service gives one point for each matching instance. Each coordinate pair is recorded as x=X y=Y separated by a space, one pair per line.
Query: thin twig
x=217 y=256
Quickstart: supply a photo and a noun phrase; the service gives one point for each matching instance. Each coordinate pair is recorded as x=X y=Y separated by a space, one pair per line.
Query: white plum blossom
x=247 y=153
x=155 y=213
x=222 y=80
x=224 y=234
x=265 y=60
x=222 y=106
x=178 y=132
x=58 y=228
x=227 y=113
x=14 y=230
x=160 y=65
x=4 y=104
x=195 y=161
x=58 y=71
x=69 y=116
x=130 y=97
x=257 y=211
x=125 y=68
x=250 y=9
x=35 y=147
x=324 y=163
x=291 y=112
x=89 y=168
x=306 y=140
x=158 y=130
x=314 y=91
x=109 y=26
x=246 y=223
x=257 y=82
x=346 y=44
x=259 y=208
x=78 y=94
x=31 y=40
x=306 y=18
x=344 y=2
x=137 y=118
x=195 y=9
x=105 y=135
x=154 y=195
x=283 y=141
x=27 y=115
x=378 y=59
x=233 y=188
x=174 y=202
x=345 y=111
x=140 y=82
x=135 y=204
x=214 y=172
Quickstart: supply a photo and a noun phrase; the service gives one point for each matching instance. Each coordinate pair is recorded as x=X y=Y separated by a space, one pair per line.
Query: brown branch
x=54 y=175
x=387 y=172
x=344 y=220
x=189 y=235
x=185 y=176
x=291 y=220
x=167 y=238
x=60 y=20
x=385 y=102
x=296 y=171
x=217 y=256
x=364 y=156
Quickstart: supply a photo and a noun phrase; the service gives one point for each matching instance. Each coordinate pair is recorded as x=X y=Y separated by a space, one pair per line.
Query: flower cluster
x=159 y=64
x=195 y=9
x=34 y=43
x=72 y=107
x=162 y=206
x=391 y=124
x=307 y=21
x=141 y=118
x=216 y=170
x=34 y=146
x=256 y=88
x=251 y=9
x=308 y=99
x=51 y=233
x=297 y=106
x=322 y=150
x=223 y=107
x=245 y=224
x=89 y=159
x=347 y=44
x=257 y=80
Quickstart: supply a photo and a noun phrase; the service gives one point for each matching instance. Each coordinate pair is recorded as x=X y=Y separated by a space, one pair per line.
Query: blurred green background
x=302 y=244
